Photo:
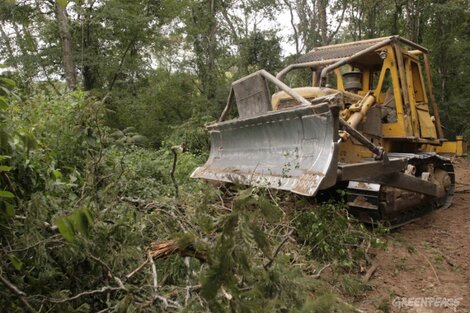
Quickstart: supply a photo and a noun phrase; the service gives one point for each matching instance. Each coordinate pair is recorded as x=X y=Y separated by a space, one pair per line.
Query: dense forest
x=102 y=112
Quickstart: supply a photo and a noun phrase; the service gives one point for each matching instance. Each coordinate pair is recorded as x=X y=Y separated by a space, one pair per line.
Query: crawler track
x=373 y=203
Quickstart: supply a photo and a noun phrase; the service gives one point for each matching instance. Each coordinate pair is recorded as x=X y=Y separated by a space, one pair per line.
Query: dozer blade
x=293 y=149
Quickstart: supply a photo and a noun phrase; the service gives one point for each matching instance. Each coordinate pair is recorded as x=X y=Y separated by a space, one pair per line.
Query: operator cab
x=358 y=69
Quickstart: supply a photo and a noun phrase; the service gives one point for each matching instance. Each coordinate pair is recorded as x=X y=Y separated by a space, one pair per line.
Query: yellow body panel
x=456 y=148
x=349 y=152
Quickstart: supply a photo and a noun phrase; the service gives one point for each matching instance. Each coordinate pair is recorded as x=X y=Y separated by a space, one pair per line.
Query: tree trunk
x=211 y=50
x=323 y=20
x=67 y=53
x=294 y=28
x=7 y=43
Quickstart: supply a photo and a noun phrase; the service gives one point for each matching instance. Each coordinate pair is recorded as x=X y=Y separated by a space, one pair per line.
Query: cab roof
x=345 y=50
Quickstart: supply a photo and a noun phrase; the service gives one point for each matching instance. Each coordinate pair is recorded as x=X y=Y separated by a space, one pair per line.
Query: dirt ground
x=427 y=258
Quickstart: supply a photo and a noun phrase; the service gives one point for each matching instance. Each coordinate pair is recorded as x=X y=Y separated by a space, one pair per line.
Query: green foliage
x=157 y=104
x=244 y=275
x=326 y=303
x=88 y=200
x=77 y=223
x=7 y=197
x=331 y=234
x=260 y=51
x=353 y=287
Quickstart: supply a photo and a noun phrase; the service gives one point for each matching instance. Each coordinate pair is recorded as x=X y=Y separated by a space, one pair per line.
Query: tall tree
x=319 y=21
x=67 y=49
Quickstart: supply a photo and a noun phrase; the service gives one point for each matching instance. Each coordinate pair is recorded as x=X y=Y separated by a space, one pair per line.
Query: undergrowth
x=82 y=203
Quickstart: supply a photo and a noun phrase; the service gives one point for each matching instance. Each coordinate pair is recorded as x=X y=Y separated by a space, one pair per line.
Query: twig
x=317 y=275
x=45 y=241
x=167 y=303
x=120 y=283
x=221 y=207
x=350 y=306
x=366 y=251
x=85 y=293
x=432 y=267
x=221 y=199
x=21 y=295
x=110 y=273
x=175 y=150
x=137 y=269
x=154 y=273
x=445 y=257
x=167 y=209
x=115 y=76
x=278 y=249
x=188 y=279
x=194 y=288
x=370 y=272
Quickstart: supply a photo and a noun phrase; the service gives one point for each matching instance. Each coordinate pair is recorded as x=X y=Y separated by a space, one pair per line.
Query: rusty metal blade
x=293 y=149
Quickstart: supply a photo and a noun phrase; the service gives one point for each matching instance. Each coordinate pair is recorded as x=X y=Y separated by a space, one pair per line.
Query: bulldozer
x=364 y=119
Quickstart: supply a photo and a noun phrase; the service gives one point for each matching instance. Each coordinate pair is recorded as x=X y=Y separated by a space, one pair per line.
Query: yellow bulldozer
x=365 y=120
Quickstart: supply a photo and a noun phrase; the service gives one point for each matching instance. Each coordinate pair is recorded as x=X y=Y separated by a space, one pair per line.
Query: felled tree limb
x=162 y=249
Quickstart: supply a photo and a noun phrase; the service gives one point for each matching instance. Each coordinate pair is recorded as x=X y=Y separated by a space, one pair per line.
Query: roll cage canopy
x=331 y=57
